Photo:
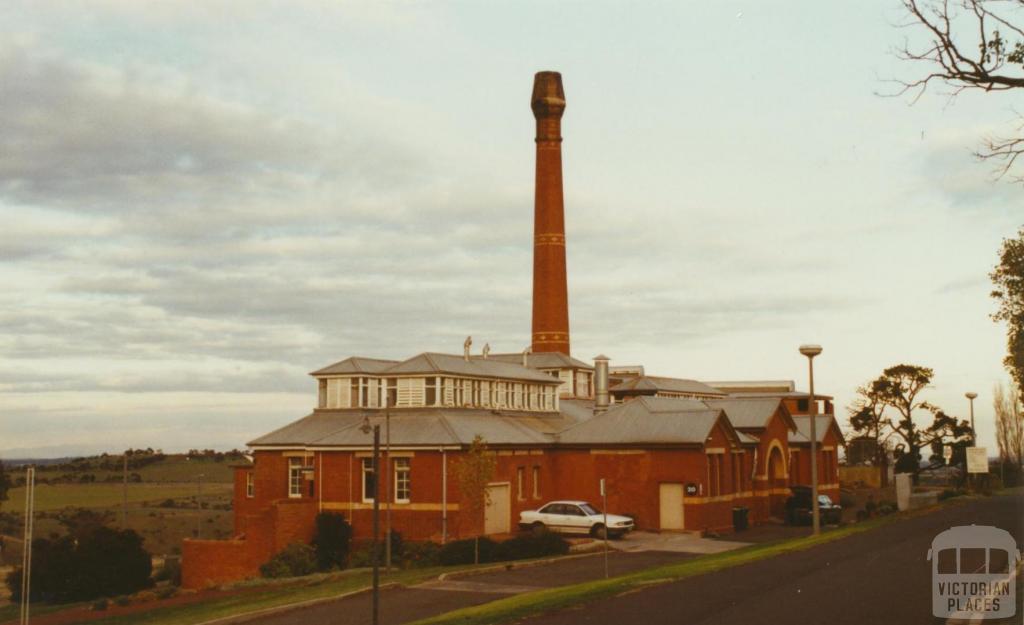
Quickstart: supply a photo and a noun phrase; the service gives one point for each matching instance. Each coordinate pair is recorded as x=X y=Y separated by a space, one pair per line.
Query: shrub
x=144 y=597
x=123 y=600
x=361 y=558
x=461 y=551
x=166 y=592
x=100 y=604
x=96 y=562
x=294 y=560
x=332 y=541
x=532 y=546
x=170 y=571
x=886 y=508
x=421 y=555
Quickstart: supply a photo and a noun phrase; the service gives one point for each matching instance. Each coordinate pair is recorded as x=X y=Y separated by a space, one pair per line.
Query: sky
x=203 y=202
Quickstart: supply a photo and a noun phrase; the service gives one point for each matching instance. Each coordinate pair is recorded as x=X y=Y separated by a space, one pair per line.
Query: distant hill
x=144 y=465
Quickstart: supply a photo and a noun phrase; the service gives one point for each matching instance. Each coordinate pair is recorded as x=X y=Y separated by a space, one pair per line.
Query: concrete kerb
x=509 y=566
x=279 y=609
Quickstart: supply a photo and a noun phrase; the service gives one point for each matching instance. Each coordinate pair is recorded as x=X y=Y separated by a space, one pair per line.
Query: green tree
x=969 y=45
x=1008 y=280
x=332 y=540
x=898 y=390
x=473 y=473
x=5 y=484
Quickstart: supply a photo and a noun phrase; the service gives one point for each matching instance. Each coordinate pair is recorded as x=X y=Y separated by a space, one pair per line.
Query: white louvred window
x=411 y=392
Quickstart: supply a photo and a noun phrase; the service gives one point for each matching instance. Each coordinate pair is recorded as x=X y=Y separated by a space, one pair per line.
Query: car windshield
x=589 y=510
x=824 y=500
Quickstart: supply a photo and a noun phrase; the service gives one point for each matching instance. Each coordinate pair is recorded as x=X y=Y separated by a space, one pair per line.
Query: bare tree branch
x=967 y=49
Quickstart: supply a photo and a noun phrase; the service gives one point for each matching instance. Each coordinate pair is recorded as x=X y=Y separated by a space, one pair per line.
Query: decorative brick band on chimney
x=550 y=288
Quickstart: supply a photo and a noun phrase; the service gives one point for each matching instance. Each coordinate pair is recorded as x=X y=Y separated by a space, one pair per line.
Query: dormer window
x=431 y=392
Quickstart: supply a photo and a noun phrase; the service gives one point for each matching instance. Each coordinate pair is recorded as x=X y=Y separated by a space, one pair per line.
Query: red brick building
x=676 y=454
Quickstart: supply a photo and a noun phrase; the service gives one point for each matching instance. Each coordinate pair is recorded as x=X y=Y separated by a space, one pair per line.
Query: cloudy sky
x=201 y=203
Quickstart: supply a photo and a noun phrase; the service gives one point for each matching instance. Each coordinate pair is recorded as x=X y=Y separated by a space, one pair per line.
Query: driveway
x=673 y=542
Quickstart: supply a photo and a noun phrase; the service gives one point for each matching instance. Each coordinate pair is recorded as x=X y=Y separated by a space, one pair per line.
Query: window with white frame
x=403 y=480
x=536 y=482
x=296 y=475
x=520 y=486
x=250 y=485
x=368 y=480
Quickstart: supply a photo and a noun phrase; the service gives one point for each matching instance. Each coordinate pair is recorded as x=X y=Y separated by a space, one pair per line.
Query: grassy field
x=108 y=494
x=164 y=507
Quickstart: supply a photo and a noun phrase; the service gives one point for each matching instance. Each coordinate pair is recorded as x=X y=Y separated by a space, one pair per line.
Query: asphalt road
x=880 y=576
x=402 y=605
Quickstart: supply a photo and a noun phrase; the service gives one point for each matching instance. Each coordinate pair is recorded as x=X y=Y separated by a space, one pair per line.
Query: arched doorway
x=777 y=478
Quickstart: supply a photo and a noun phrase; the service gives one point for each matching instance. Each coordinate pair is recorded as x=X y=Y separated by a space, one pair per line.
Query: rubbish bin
x=740 y=519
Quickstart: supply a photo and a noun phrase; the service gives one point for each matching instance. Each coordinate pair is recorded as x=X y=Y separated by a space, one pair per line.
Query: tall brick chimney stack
x=550 y=290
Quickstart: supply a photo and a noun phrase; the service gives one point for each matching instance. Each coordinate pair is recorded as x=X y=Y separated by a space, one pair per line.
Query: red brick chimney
x=550 y=291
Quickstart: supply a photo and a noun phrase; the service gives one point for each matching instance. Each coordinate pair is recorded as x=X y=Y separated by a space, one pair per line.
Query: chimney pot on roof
x=465 y=347
x=487 y=350
x=600 y=384
x=526 y=356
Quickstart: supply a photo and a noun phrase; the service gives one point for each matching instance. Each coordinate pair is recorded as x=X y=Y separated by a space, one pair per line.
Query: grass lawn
x=108 y=494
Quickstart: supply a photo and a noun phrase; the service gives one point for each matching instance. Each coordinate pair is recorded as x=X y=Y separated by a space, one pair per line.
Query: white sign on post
x=947 y=453
x=977 y=460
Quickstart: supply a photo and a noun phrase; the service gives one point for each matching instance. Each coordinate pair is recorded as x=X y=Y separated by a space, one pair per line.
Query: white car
x=574 y=517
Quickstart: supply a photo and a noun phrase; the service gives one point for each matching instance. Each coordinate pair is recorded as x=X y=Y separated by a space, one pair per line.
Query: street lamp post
x=812 y=411
x=388 y=478
x=971 y=396
x=375 y=552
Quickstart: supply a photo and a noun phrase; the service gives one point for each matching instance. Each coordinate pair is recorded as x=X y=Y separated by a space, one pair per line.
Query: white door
x=498 y=510
x=670 y=502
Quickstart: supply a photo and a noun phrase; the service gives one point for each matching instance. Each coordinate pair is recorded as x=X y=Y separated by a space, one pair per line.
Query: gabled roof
x=823 y=423
x=478 y=367
x=752 y=412
x=541 y=360
x=357 y=364
x=648 y=420
x=671 y=385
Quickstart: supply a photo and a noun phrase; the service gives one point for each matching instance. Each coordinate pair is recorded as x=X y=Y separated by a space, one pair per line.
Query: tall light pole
x=388 y=478
x=812 y=412
x=971 y=396
x=375 y=552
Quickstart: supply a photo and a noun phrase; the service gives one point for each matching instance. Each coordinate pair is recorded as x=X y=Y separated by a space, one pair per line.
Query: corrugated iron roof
x=821 y=426
x=478 y=367
x=542 y=360
x=417 y=428
x=671 y=385
x=747 y=412
x=357 y=364
x=646 y=420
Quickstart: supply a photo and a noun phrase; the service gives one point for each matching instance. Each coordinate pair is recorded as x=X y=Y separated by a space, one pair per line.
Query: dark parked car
x=798 y=507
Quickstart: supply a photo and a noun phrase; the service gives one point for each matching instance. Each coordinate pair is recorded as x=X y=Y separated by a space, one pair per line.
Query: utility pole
x=124 y=492
x=199 y=505
x=375 y=551
x=388 y=478
x=376 y=525
x=26 y=550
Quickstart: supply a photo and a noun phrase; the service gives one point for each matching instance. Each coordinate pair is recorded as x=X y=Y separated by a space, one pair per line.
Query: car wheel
x=538 y=528
x=598 y=531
